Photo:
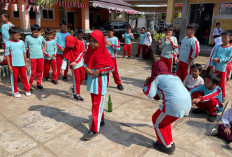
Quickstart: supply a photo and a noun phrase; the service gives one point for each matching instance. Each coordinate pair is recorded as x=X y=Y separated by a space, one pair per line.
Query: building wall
x=123 y=17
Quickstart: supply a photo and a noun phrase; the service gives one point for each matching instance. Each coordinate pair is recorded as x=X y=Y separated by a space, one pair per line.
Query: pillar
x=85 y=18
x=183 y=19
x=170 y=11
x=24 y=18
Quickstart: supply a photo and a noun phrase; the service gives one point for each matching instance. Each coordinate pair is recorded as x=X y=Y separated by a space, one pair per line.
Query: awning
x=114 y=5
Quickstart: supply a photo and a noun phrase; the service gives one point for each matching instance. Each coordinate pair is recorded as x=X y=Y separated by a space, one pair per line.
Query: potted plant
x=157 y=38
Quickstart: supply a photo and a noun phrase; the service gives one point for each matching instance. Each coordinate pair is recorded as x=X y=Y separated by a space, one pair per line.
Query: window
x=15 y=14
x=225 y=8
x=48 y=14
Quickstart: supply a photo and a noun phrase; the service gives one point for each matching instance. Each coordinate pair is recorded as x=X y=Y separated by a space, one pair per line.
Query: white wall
x=141 y=22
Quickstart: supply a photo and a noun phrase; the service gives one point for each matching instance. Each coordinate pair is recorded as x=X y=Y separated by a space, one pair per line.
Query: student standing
x=142 y=36
x=128 y=37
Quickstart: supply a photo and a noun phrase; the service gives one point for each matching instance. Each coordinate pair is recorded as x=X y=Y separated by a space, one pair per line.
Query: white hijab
x=147 y=41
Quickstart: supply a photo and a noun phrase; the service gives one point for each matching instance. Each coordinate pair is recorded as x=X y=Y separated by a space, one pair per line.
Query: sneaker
x=65 y=79
x=223 y=99
x=55 y=81
x=197 y=111
x=17 y=95
x=136 y=55
x=28 y=93
x=214 y=132
x=40 y=87
x=129 y=57
x=230 y=145
x=91 y=134
x=211 y=118
x=102 y=123
x=120 y=87
x=163 y=148
x=78 y=97
x=46 y=78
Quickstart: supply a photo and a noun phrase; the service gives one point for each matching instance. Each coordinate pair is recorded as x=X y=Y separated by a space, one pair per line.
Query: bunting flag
x=14 y=7
x=28 y=8
x=22 y=8
x=5 y=6
x=36 y=9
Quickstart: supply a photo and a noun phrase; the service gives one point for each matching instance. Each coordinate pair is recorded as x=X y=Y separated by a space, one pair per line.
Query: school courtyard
x=51 y=123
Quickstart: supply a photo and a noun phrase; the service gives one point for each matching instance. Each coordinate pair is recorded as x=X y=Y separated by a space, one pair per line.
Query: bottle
x=109 y=104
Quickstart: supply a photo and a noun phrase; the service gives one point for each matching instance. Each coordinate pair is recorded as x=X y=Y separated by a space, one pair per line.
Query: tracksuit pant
x=116 y=76
x=127 y=47
x=59 y=60
x=183 y=70
x=146 y=52
x=22 y=71
x=97 y=111
x=213 y=106
x=222 y=82
x=47 y=65
x=139 y=48
x=78 y=77
x=168 y=62
x=227 y=138
x=36 y=67
x=162 y=125
x=228 y=70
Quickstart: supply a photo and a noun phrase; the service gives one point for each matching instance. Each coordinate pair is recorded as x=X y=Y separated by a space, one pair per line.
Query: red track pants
x=162 y=124
x=139 y=48
x=222 y=82
x=168 y=62
x=182 y=70
x=36 y=67
x=22 y=71
x=127 y=47
x=97 y=111
x=78 y=78
x=59 y=61
x=116 y=76
x=47 y=65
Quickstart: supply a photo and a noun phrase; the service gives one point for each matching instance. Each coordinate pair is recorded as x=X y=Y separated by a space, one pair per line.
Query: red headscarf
x=159 y=68
x=72 y=54
x=99 y=57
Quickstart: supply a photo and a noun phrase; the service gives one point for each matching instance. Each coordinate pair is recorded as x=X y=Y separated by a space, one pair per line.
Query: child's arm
x=174 y=42
x=213 y=95
x=212 y=58
x=162 y=43
x=150 y=90
x=132 y=36
x=198 y=88
x=8 y=62
x=45 y=46
x=7 y=54
x=226 y=117
x=226 y=59
x=25 y=59
x=116 y=45
x=195 y=50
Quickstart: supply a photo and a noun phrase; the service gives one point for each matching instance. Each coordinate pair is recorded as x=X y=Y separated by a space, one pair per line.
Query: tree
x=41 y=4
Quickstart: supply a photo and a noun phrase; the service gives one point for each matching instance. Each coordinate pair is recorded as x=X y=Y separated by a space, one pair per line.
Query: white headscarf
x=146 y=40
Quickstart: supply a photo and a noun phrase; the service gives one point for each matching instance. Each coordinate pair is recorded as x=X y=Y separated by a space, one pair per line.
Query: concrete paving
x=51 y=123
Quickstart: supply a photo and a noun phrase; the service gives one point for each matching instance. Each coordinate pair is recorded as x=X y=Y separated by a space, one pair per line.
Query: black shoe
x=78 y=97
x=123 y=57
x=137 y=56
x=197 y=111
x=91 y=134
x=223 y=99
x=31 y=89
x=102 y=123
x=211 y=118
x=129 y=57
x=65 y=79
x=55 y=82
x=120 y=87
x=40 y=87
x=163 y=148
x=46 y=78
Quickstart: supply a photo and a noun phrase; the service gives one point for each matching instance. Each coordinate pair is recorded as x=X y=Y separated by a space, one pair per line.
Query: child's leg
x=97 y=111
x=116 y=76
x=82 y=74
x=124 y=50
x=222 y=82
x=46 y=68
x=139 y=48
x=15 y=79
x=213 y=106
x=221 y=133
x=168 y=62
x=66 y=71
x=108 y=79
x=182 y=70
x=39 y=71
x=54 y=73
x=144 y=52
x=58 y=64
x=129 y=50
x=33 y=70
x=76 y=80
x=23 y=75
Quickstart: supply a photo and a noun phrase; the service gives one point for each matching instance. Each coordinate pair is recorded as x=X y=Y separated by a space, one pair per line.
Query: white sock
x=169 y=146
x=171 y=142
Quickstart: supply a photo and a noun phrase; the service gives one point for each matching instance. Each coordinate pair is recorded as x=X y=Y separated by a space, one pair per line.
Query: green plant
x=158 y=36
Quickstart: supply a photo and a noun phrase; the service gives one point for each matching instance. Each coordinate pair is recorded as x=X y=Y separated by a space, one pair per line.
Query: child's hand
x=62 y=72
x=190 y=61
x=146 y=81
x=88 y=71
x=62 y=49
x=43 y=51
x=212 y=70
x=215 y=60
x=54 y=56
x=73 y=64
x=196 y=100
x=27 y=65
x=10 y=69
x=108 y=43
x=95 y=73
x=49 y=56
x=227 y=131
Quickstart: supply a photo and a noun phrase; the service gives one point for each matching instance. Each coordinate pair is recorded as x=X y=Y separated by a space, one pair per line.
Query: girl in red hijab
x=98 y=63
x=176 y=103
x=73 y=54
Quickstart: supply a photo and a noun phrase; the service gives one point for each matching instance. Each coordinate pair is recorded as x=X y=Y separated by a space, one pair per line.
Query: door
x=71 y=20
x=202 y=14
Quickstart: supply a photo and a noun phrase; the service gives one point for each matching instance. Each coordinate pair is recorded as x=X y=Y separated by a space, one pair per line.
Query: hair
x=169 y=28
x=214 y=77
x=63 y=23
x=218 y=23
x=6 y=15
x=48 y=31
x=198 y=66
x=193 y=26
x=14 y=30
x=226 y=33
x=79 y=31
x=128 y=28
x=143 y=28
x=110 y=28
x=35 y=27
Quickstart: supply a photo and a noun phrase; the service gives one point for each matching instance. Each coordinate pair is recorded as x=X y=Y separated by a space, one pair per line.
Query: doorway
x=202 y=14
x=71 y=20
